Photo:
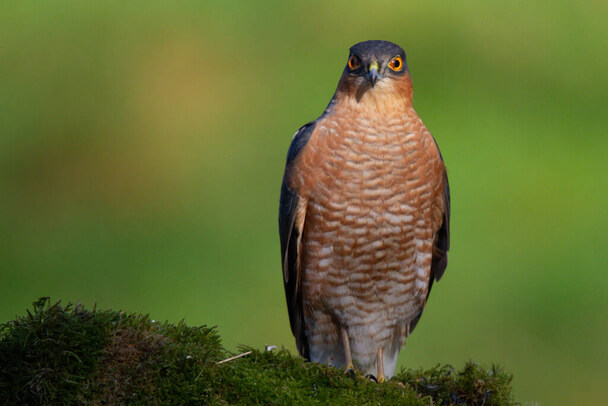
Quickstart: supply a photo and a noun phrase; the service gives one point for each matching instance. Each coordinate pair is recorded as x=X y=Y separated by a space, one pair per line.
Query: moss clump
x=472 y=386
x=68 y=355
x=46 y=356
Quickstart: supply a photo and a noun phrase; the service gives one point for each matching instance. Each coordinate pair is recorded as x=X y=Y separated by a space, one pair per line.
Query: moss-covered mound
x=69 y=355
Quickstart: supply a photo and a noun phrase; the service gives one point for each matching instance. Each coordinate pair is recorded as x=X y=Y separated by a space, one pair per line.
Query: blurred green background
x=142 y=150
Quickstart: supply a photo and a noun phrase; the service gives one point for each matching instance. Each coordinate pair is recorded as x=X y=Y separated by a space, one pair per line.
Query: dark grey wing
x=442 y=243
x=291 y=231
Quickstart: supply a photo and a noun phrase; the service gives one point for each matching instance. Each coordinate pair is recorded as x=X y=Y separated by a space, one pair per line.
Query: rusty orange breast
x=371 y=175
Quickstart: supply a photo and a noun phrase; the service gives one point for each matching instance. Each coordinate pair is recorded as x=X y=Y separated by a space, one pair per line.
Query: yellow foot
x=380 y=379
x=350 y=370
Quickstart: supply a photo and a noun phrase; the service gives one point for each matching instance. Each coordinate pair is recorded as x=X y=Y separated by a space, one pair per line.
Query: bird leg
x=350 y=369
x=380 y=362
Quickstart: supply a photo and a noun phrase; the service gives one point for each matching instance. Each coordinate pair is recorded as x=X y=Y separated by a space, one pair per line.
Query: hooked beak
x=373 y=75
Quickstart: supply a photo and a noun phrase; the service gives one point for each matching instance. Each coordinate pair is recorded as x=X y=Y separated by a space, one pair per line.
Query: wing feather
x=292 y=214
x=442 y=242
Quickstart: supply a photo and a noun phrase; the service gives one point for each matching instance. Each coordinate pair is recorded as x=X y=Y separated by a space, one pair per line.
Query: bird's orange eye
x=353 y=62
x=396 y=64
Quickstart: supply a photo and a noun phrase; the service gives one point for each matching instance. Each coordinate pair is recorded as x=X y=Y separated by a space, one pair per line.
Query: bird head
x=376 y=66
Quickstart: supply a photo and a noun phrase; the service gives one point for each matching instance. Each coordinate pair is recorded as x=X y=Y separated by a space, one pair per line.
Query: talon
x=372 y=378
x=350 y=370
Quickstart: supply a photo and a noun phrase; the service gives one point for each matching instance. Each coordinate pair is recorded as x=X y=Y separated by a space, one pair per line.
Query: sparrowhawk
x=364 y=217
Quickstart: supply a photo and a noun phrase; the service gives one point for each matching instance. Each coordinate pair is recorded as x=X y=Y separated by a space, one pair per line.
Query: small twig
x=232 y=358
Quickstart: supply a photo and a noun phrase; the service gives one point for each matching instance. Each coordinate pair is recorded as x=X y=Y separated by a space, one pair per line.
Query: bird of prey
x=364 y=217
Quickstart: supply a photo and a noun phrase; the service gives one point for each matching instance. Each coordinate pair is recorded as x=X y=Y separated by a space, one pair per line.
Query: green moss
x=68 y=355
x=46 y=356
x=471 y=386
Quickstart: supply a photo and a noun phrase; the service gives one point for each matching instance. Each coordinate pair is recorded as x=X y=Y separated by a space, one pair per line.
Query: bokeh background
x=142 y=149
